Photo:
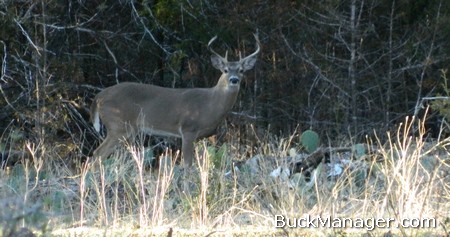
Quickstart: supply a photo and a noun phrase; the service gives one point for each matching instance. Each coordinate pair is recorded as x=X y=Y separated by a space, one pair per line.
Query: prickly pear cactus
x=359 y=150
x=149 y=157
x=309 y=140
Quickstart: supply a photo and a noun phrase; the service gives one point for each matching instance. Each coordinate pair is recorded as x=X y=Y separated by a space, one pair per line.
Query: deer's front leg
x=188 y=139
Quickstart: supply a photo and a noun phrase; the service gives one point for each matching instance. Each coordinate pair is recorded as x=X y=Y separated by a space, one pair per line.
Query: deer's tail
x=94 y=116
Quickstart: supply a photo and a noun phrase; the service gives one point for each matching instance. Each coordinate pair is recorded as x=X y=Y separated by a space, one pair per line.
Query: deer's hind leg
x=115 y=134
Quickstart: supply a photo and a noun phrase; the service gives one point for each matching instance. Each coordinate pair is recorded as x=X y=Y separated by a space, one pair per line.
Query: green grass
x=401 y=177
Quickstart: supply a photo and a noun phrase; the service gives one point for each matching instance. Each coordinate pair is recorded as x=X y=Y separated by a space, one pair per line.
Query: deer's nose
x=234 y=80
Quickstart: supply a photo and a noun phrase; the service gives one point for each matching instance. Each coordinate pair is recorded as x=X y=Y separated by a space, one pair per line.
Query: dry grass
x=405 y=178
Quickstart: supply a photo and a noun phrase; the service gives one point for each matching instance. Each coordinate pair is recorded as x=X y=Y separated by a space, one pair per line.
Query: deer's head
x=232 y=72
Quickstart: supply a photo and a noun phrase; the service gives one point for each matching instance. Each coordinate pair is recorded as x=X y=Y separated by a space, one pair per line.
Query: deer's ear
x=217 y=62
x=248 y=63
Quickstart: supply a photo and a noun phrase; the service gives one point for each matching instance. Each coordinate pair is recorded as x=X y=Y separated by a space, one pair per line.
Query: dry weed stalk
x=164 y=179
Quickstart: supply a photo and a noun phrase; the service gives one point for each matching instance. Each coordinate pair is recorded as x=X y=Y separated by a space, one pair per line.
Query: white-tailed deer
x=128 y=108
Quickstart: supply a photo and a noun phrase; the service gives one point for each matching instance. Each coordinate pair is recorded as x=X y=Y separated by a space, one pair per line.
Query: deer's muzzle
x=234 y=80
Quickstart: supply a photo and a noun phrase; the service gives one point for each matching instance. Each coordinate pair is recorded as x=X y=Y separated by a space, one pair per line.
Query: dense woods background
x=339 y=67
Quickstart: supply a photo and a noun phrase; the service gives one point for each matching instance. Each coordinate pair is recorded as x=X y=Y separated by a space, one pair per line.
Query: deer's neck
x=225 y=94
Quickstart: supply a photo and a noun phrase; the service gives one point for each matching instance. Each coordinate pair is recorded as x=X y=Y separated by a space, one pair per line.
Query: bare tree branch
x=2 y=78
x=149 y=32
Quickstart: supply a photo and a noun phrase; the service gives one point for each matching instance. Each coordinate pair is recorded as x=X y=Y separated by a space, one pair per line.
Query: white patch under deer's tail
x=96 y=121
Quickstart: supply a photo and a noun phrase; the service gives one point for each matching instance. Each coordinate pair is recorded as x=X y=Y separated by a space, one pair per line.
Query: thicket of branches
x=333 y=66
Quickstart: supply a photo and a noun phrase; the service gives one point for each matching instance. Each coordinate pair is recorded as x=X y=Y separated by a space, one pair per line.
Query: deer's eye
x=241 y=70
x=225 y=70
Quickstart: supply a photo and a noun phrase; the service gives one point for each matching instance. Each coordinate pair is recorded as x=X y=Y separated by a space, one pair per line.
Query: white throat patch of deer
x=190 y=114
